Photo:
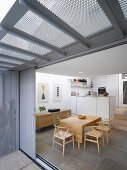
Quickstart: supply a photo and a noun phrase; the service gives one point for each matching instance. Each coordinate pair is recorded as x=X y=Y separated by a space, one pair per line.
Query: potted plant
x=42 y=108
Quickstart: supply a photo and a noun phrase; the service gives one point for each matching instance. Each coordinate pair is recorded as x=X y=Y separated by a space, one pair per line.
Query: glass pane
x=124 y=92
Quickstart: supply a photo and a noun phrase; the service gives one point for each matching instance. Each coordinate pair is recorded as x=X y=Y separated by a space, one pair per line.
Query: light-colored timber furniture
x=62 y=137
x=77 y=126
x=48 y=118
x=94 y=136
x=105 y=125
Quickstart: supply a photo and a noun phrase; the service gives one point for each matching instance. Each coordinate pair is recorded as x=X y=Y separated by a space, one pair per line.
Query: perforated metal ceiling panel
x=10 y=61
x=123 y=4
x=6 y=65
x=2 y=69
x=85 y=16
x=15 y=54
x=23 y=44
x=38 y=27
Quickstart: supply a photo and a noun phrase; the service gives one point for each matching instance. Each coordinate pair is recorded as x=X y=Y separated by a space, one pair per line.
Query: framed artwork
x=57 y=92
x=42 y=92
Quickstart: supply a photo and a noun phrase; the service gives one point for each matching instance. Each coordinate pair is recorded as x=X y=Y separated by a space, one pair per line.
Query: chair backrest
x=58 y=129
x=94 y=129
x=105 y=123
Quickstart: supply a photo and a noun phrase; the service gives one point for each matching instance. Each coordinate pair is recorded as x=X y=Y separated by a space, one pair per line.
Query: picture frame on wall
x=42 y=92
x=57 y=92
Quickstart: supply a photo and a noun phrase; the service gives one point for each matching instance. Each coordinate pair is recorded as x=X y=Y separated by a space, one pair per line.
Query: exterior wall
x=1 y=89
x=9 y=113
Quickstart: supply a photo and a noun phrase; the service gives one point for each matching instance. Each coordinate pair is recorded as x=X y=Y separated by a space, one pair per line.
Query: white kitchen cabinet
x=96 y=106
x=73 y=104
x=84 y=105
x=103 y=107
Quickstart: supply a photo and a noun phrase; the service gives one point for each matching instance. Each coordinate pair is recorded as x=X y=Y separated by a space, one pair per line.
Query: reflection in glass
x=124 y=92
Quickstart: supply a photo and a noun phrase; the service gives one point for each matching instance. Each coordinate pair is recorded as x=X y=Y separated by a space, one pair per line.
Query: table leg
x=78 y=145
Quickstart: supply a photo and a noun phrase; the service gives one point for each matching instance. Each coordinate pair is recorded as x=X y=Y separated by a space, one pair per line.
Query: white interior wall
x=111 y=82
x=50 y=79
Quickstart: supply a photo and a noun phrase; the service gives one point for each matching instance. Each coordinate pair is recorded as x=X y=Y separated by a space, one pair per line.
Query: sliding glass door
x=27 y=111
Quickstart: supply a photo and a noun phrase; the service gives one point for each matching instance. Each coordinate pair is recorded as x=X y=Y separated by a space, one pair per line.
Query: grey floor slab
x=80 y=159
x=31 y=166
x=108 y=164
x=17 y=161
x=14 y=161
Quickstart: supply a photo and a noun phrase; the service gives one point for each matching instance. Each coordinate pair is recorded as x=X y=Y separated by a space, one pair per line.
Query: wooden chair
x=95 y=136
x=62 y=137
x=60 y=117
x=105 y=125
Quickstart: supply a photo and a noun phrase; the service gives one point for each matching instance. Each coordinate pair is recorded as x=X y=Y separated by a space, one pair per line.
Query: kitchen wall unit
x=94 y=105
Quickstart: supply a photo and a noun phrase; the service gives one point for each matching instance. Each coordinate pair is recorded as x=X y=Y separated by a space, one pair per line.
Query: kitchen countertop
x=94 y=96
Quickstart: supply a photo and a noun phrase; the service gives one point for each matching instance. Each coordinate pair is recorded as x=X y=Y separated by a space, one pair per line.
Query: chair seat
x=61 y=134
x=104 y=128
x=94 y=133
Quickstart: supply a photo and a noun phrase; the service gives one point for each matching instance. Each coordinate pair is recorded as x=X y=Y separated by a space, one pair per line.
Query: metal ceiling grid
x=15 y=54
x=23 y=44
x=36 y=26
x=123 y=5
x=6 y=65
x=80 y=26
x=85 y=16
x=3 y=69
x=13 y=61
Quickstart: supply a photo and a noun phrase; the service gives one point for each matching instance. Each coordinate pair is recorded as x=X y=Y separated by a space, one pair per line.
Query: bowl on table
x=81 y=116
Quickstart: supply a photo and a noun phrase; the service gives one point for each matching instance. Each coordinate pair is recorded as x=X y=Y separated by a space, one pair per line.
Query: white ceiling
x=106 y=62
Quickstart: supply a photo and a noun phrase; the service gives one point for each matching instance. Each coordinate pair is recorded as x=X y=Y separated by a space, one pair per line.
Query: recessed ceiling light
x=80 y=72
x=5 y=6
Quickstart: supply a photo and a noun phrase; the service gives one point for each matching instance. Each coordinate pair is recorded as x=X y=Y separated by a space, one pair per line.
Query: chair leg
x=78 y=145
x=98 y=147
x=103 y=141
x=73 y=142
x=106 y=136
x=84 y=142
x=63 y=147
x=53 y=142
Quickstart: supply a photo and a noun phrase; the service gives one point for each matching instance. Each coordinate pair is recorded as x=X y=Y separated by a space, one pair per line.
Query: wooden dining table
x=77 y=126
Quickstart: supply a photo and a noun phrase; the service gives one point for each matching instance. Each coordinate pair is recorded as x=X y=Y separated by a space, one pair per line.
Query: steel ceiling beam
x=6 y=66
x=109 y=13
x=19 y=50
x=2 y=68
x=30 y=38
x=9 y=64
x=17 y=59
x=46 y=14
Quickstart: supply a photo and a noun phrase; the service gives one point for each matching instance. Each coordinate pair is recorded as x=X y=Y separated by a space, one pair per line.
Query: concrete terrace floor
x=113 y=155
x=17 y=161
